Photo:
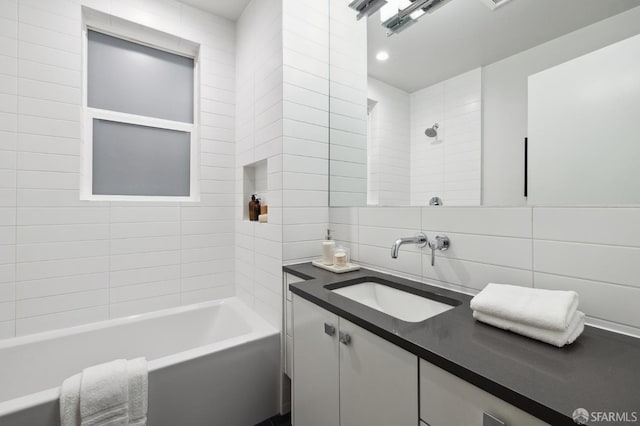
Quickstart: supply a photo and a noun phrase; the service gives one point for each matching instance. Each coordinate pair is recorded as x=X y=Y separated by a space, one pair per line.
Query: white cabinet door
x=447 y=400
x=316 y=394
x=378 y=381
x=287 y=320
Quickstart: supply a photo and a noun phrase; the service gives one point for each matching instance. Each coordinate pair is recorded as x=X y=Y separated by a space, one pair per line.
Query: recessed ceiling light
x=382 y=56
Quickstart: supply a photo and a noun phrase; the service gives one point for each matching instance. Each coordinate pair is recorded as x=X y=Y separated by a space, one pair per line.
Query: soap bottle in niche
x=328 y=249
x=256 y=210
x=252 y=208
x=264 y=214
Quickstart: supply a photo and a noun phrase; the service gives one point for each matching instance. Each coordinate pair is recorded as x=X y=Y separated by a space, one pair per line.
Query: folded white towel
x=556 y=338
x=104 y=394
x=549 y=309
x=70 y=401
x=138 y=391
x=110 y=394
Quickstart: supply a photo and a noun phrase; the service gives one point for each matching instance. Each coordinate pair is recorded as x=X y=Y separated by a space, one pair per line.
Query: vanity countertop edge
x=598 y=372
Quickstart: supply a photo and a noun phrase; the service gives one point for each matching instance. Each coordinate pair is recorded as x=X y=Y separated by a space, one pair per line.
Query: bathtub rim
x=260 y=329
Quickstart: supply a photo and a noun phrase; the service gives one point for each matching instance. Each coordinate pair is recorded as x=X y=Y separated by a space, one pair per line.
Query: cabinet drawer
x=447 y=400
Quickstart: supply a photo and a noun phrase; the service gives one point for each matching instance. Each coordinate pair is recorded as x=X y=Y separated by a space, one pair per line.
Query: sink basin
x=397 y=303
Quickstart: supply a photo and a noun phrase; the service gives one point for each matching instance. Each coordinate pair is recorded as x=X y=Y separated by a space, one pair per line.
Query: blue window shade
x=130 y=159
x=135 y=79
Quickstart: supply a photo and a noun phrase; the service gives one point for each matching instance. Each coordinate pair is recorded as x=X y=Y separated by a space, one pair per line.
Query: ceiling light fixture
x=382 y=56
x=366 y=8
x=494 y=4
x=408 y=15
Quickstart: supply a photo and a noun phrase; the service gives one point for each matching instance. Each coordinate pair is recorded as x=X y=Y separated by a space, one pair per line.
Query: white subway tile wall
x=65 y=262
x=448 y=166
x=388 y=146
x=8 y=162
x=264 y=97
x=348 y=106
x=259 y=123
x=282 y=117
x=594 y=251
x=306 y=128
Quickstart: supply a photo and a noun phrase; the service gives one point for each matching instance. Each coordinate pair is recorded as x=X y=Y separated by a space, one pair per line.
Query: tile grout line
x=15 y=264
x=109 y=246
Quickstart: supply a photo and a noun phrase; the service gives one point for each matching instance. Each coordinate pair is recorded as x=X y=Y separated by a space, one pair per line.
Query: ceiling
x=465 y=34
x=230 y=9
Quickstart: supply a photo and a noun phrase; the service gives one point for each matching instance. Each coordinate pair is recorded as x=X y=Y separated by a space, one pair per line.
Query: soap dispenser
x=256 y=210
x=252 y=208
x=328 y=249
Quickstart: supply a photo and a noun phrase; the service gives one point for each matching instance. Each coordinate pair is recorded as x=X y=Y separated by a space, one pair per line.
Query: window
x=140 y=126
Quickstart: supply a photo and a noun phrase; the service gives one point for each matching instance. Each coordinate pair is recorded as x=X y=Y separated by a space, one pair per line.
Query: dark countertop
x=600 y=371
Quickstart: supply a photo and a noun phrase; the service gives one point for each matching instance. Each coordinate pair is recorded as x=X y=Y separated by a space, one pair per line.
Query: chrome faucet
x=419 y=239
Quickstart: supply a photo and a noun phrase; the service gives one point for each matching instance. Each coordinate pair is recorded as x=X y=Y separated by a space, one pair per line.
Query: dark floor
x=277 y=421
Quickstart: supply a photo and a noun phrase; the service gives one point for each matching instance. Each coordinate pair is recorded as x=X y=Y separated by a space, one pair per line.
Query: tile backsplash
x=594 y=251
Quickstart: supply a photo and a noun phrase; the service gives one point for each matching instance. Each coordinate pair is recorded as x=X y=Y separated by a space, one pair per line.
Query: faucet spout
x=419 y=239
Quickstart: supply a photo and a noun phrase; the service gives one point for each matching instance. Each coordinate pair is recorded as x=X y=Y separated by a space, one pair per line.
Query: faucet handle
x=440 y=242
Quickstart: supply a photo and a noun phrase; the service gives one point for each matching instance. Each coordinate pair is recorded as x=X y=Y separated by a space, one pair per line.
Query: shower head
x=432 y=132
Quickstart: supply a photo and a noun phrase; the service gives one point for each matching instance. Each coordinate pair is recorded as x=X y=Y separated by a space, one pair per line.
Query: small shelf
x=254 y=181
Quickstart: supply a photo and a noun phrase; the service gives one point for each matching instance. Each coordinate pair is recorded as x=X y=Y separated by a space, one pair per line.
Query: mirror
x=476 y=105
x=583 y=128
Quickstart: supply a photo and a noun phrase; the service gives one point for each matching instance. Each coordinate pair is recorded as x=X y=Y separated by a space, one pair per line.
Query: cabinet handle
x=489 y=420
x=345 y=339
x=329 y=329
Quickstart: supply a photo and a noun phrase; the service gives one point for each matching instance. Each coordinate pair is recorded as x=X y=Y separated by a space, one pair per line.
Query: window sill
x=139 y=198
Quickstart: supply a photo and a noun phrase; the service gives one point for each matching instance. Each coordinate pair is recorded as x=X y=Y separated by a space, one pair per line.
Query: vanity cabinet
x=287 y=340
x=344 y=375
x=447 y=400
x=316 y=363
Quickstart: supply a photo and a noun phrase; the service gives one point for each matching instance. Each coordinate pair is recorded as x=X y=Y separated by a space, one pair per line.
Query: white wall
x=259 y=122
x=504 y=103
x=594 y=251
x=388 y=146
x=504 y=89
x=583 y=129
x=408 y=168
x=64 y=262
x=348 y=107
x=448 y=166
x=282 y=110
x=306 y=128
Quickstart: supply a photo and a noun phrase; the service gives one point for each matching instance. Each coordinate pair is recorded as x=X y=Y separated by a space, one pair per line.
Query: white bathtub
x=214 y=363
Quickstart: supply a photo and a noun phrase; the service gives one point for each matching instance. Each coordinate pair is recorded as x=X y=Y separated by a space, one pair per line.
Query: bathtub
x=213 y=363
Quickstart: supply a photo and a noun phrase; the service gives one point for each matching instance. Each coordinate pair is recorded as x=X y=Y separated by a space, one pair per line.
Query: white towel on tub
x=70 y=401
x=548 y=309
x=552 y=337
x=104 y=395
x=110 y=394
x=138 y=391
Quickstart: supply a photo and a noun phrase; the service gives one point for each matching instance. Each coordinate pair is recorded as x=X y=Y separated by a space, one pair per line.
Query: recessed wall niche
x=254 y=181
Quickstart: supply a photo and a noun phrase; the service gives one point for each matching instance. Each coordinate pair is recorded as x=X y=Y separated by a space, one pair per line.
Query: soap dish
x=336 y=269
